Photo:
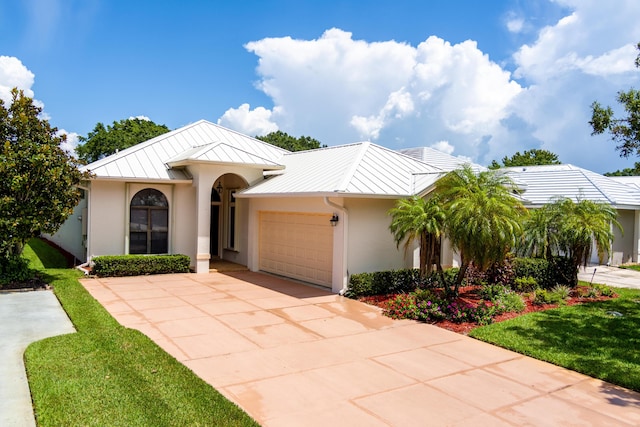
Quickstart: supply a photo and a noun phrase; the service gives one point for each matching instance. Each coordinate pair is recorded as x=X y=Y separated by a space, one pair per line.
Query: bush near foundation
x=139 y=265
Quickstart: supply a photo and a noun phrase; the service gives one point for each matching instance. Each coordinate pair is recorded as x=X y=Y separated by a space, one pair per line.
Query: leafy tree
x=634 y=171
x=38 y=178
x=483 y=218
x=420 y=219
x=625 y=131
x=570 y=229
x=531 y=157
x=291 y=143
x=103 y=141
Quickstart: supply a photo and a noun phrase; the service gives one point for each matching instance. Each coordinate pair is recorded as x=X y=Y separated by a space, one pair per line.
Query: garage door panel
x=297 y=245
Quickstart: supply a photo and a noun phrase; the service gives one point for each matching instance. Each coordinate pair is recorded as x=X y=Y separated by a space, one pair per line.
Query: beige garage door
x=297 y=245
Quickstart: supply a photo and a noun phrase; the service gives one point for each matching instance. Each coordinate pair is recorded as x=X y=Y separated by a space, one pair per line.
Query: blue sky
x=476 y=79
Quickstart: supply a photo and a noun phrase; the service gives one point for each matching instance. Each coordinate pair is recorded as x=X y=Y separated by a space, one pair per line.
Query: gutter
x=345 y=242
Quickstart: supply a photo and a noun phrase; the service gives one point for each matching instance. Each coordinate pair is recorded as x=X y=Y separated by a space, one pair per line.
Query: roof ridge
x=606 y=196
x=344 y=184
x=219 y=143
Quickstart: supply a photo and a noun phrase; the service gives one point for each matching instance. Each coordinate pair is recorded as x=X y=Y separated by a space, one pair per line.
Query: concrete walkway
x=294 y=355
x=612 y=276
x=25 y=317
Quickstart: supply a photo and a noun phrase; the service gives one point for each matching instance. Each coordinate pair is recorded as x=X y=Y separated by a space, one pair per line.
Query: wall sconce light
x=219 y=187
x=334 y=220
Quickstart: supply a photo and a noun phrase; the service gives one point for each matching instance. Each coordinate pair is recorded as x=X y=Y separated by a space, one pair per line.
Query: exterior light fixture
x=219 y=187
x=334 y=220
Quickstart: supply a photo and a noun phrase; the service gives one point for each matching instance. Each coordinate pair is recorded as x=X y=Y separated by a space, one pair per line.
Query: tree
x=634 y=171
x=625 y=130
x=483 y=218
x=38 y=179
x=103 y=141
x=291 y=143
x=419 y=219
x=531 y=157
x=569 y=229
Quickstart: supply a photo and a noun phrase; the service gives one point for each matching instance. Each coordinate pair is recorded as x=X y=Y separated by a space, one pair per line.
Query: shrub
x=493 y=292
x=393 y=281
x=562 y=272
x=430 y=310
x=562 y=291
x=483 y=314
x=136 y=265
x=360 y=285
x=402 y=306
x=537 y=268
x=525 y=284
x=502 y=272
x=510 y=303
x=544 y=296
x=14 y=269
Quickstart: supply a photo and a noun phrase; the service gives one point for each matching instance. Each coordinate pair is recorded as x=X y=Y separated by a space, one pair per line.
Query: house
x=212 y=193
x=316 y=216
x=542 y=184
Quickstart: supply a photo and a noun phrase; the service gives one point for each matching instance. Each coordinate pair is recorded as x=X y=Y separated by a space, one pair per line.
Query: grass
x=586 y=338
x=635 y=267
x=106 y=374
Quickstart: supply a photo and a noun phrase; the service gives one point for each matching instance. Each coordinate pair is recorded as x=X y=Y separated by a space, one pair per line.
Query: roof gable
x=201 y=141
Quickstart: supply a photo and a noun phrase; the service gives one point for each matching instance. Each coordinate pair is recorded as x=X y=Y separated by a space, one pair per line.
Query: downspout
x=345 y=240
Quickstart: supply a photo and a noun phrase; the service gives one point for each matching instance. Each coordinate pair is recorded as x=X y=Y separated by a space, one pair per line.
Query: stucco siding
x=623 y=241
x=107 y=214
x=371 y=244
x=71 y=236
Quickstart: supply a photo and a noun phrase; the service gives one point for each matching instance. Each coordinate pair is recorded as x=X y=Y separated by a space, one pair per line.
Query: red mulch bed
x=470 y=296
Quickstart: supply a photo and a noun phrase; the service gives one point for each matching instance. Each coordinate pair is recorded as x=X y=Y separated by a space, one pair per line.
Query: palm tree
x=420 y=219
x=540 y=236
x=483 y=216
x=572 y=229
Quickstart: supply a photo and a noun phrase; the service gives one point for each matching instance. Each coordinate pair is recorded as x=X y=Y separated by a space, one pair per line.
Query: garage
x=297 y=245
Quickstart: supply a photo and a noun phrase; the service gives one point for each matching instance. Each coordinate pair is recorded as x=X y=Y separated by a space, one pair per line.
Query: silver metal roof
x=201 y=141
x=439 y=159
x=541 y=184
x=361 y=169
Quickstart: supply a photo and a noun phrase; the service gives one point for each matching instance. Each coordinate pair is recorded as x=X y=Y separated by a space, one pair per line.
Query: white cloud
x=251 y=122
x=145 y=118
x=14 y=74
x=443 y=146
x=71 y=143
x=339 y=89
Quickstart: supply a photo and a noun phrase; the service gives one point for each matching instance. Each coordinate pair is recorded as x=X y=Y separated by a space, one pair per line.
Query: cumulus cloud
x=339 y=89
x=443 y=146
x=14 y=74
x=251 y=122
x=72 y=140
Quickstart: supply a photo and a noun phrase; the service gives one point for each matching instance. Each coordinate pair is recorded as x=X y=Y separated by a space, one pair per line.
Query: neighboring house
x=212 y=193
x=317 y=216
x=542 y=184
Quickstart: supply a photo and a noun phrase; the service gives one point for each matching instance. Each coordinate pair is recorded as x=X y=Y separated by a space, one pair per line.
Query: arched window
x=149 y=223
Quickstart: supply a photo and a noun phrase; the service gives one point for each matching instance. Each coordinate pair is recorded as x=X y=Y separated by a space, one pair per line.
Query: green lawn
x=584 y=338
x=635 y=267
x=106 y=374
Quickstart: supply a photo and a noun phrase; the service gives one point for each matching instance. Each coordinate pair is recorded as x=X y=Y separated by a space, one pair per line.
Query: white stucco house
x=316 y=216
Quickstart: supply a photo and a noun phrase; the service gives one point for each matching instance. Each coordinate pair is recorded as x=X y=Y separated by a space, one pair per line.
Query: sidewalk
x=25 y=317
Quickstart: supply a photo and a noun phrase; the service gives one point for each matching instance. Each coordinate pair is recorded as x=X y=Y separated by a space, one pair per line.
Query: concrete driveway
x=612 y=276
x=293 y=355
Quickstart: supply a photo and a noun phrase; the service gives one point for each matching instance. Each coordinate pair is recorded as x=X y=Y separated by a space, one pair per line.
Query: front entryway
x=297 y=245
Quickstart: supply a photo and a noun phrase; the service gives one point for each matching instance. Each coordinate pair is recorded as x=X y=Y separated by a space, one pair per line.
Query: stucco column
x=203 y=219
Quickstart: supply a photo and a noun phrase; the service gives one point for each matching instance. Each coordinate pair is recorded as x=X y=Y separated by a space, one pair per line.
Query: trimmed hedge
x=383 y=282
x=138 y=265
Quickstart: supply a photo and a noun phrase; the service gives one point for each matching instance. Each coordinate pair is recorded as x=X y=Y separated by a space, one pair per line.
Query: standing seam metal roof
x=541 y=184
x=148 y=160
x=354 y=169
